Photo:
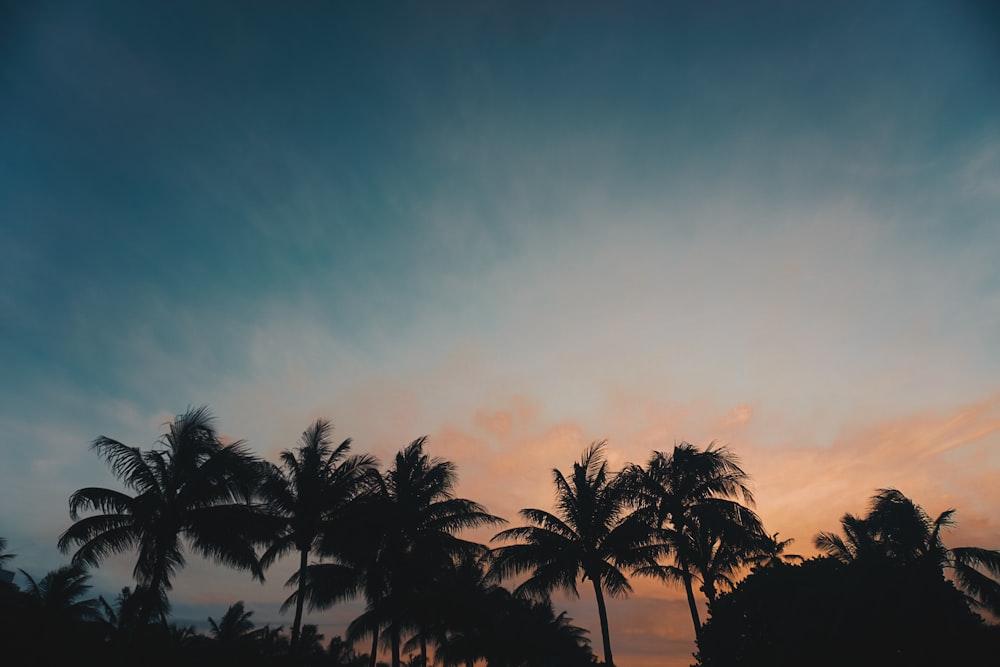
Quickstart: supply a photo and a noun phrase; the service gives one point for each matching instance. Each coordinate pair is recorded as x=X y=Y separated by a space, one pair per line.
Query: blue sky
x=651 y=222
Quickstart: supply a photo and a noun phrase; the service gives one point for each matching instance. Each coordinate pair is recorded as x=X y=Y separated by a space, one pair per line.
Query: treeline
x=392 y=539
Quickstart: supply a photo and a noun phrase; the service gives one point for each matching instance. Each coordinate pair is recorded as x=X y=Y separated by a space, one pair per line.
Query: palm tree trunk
x=602 y=612
x=151 y=595
x=374 y=659
x=709 y=588
x=300 y=600
x=423 y=648
x=395 y=645
x=689 y=589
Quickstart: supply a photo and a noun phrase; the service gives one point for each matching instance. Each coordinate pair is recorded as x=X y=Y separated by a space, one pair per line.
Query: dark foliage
x=826 y=612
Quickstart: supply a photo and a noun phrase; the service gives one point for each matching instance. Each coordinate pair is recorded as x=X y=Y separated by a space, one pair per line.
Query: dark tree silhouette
x=479 y=619
x=6 y=576
x=693 y=499
x=191 y=488
x=899 y=531
x=4 y=555
x=772 y=553
x=590 y=536
x=234 y=628
x=58 y=596
x=828 y=613
x=307 y=496
x=51 y=620
x=403 y=533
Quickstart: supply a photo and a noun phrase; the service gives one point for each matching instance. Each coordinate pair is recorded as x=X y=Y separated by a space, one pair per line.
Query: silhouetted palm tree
x=234 y=628
x=121 y=617
x=692 y=498
x=190 y=488
x=772 y=552
x=898 y=531
x=58 y=596
x=307 y=495
x=4 y=556
x=590 y=536
x=404 y=531
x=6 y=577
x=485 y=622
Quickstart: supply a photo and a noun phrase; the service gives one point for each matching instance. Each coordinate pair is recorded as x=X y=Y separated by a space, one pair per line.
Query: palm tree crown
x=59 y=594
x=191 y=488
x=591 y=536
x=234 y=627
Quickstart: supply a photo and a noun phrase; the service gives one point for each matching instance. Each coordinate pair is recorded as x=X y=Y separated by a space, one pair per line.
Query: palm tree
x=405 y=530
x=898 y=531
x=192 y=488
x=4 y=556
x=234 y=628
x=482 y=618
x=58 y=595
x=692 y=499
x=6 y=577
x=120 y=617
x=591 y=535
x=307 y=495
x=772 y=552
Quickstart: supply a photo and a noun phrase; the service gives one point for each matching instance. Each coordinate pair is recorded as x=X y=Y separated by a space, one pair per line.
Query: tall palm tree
x=190 y=489
x=591 y=535
x=697 y=503
x=404 y=531
x=307 y=496
x=898 y=531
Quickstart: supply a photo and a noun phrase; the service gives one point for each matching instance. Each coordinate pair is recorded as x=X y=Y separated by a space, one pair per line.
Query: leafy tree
x=694 y=501
x=307 y=496
x=828 y=613
x=591 y=535
x=898 y=531
x=192 y=488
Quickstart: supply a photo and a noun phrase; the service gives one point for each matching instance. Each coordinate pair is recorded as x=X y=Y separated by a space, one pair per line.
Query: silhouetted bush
x=825 y=612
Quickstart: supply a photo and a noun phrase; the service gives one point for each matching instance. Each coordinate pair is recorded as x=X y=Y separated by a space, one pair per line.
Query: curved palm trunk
x=602 y=612
x=300 y=600
x=689 y=589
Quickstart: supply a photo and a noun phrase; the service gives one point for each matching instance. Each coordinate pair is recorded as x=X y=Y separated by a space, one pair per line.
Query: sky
x=517 y=228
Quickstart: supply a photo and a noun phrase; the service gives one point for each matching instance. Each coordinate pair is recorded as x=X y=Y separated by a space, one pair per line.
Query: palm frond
x=97 y=499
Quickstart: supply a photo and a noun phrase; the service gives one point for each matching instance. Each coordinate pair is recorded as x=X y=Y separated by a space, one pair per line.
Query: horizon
x=516 y=230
